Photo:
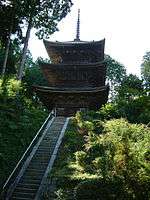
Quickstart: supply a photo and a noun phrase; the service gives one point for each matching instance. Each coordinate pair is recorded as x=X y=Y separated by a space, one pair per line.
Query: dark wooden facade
x=76 y=76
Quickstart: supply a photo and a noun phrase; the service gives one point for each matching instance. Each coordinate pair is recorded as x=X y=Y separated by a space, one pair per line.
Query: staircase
x=28 y=184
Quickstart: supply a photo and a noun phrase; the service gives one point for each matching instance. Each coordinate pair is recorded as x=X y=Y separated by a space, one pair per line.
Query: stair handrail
x=24 y=156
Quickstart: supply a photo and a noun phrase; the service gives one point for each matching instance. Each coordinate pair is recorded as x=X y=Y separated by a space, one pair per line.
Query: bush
x=83 y=125
x=135 y=111
x=19 y=122
x=81 y=158
x=101 y=189
x=121 y=151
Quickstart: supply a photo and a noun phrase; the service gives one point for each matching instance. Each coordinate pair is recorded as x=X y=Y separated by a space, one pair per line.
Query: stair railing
x=14 y=173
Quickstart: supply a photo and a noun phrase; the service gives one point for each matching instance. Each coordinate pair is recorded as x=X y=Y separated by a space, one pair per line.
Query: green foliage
x=112 y=163
x=135 y=110
x=63 y=169
x=108 y=111
x=131 y=102
x=43 y=15
x=121 y=151
x=83 y=126
x=72 y=143
x=12 y=57
x=145 y=68
x=131 y=87
x=19 y=122
x=81 y=158
x=13 y=86
x=61 y=194
x=101 y=189
x=10 y=14
x=115 y=74
x=34 y=76
x=115 y=70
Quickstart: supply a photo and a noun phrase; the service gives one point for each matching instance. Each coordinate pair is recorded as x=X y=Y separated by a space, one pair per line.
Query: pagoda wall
x=69 y=103
x=75 y=75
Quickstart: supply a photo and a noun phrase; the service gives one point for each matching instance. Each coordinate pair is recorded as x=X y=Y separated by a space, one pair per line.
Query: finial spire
x=78 y=27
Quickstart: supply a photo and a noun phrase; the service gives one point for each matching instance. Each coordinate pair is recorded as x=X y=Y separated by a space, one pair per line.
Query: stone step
x=47 y=142
x=47 y=145
x=42 y=156
x=42 y=159
x=35 y=171
x=25 y=189
x=39 y=162
x=21 y=194
x=32 y=178
x=37 y=165
x=42 y=152
x=29 y=185
x=50 y=138
x=30 y=181
x=43 y=149
x=21 y=198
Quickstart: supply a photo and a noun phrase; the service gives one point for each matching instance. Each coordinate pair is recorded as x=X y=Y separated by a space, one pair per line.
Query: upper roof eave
x=72 y=43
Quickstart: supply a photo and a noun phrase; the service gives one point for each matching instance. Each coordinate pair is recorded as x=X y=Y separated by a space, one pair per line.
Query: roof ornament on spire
x=78 y=27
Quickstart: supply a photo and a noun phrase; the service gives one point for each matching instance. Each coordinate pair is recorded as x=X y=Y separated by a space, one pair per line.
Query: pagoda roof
x=70 y=90
x=74 y=50
x=42 y=64
x=72 y=43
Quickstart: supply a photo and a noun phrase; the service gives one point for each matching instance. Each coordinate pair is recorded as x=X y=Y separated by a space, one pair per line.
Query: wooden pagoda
x=76 y=76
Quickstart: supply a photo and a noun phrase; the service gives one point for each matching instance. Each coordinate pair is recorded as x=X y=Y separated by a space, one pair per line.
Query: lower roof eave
x=70 y=90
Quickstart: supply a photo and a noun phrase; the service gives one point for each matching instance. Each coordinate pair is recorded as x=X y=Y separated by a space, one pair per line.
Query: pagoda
x=76 y=76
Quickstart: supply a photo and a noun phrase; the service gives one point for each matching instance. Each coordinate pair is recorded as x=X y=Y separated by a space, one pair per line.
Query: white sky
x=125 y=24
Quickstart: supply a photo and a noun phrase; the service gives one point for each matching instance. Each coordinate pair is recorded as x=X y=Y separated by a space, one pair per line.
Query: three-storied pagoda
x=76 y=76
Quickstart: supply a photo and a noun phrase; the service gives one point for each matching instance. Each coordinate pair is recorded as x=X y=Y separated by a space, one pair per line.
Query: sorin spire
x=78 y=27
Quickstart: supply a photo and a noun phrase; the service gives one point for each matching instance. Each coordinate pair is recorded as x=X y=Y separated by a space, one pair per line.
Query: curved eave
x=70 y=90
x=73 y=43
x=42 y=64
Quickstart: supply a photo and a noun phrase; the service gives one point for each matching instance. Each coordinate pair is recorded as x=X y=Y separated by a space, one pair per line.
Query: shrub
x=135 y=111
x=81 y=158
x=101 y=189
x=84 y=126
x=108 y=111
x=19 y=122
x=121 y=151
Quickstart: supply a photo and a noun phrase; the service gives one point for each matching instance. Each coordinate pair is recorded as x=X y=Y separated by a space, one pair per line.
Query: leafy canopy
x=145 y=68
x=115 y=70
x=44 y=15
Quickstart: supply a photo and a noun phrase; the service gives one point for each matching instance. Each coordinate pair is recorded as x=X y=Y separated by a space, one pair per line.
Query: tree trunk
x=23 y=58
x=7 y=50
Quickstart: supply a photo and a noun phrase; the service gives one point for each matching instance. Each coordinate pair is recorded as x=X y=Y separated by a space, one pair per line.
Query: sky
x=125 y=25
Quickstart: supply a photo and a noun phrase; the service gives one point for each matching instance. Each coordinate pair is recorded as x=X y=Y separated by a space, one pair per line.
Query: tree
x=10 y=65
x=115 y=73
x=145 y=69
x=10 y=21
x=131 y=87
x=115 y=70
x=44 y=16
